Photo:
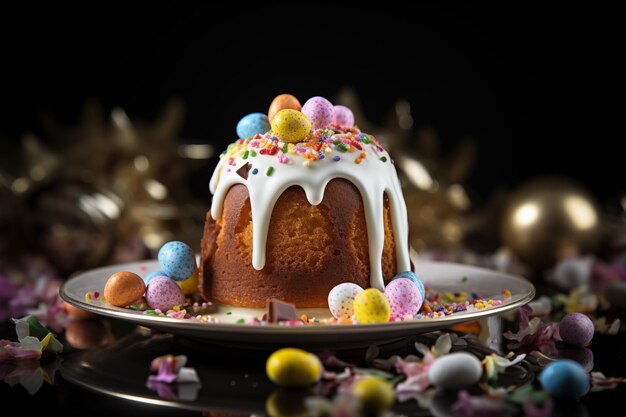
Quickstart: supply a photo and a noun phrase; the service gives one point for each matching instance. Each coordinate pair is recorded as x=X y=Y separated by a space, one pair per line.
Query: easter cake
x=302 y=201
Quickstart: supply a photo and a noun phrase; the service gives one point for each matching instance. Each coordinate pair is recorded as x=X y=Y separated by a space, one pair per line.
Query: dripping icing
x=372 y=177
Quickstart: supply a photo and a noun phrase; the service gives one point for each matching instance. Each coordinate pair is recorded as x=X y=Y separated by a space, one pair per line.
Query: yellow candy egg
x=371 y=306
x=291 y=367
x=375 y=394
x=291 y=126
x=190 y=285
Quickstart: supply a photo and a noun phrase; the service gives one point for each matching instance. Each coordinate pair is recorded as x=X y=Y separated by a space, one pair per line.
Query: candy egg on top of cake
x=298 y=209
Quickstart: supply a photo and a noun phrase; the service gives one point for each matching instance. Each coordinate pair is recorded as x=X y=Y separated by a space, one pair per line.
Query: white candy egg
x=341 y=299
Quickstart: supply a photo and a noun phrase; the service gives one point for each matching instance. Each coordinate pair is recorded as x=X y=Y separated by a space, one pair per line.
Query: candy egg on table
x=374 y=394
x=415 y=280
x=151 y=275
x=576 y=329
x=341 y=299
x=371 y=306
x=123 y=289
x=320 y=112
x=282 y=102
x=455 y=370
x=291 y=367
x=163 y=293
x=189 y=285
x=564 y=378
x=177 y=260
x=252 y=124
x=343 y=117
x=291 y=126
x=404 y=298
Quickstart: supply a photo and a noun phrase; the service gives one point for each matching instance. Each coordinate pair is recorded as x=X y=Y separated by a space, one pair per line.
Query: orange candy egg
x=123 y=289
x=282 y=102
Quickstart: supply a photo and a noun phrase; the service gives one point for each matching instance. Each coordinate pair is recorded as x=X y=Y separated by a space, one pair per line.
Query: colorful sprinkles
x=319 y=145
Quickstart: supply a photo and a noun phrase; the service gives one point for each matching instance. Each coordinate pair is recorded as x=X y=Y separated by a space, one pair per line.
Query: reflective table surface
x=106 y=373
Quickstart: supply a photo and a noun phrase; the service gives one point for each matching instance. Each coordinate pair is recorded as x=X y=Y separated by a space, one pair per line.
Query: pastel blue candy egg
x=152 y=275
x=414 y=279
x=177 y=260
x=564 y=378
x=252 y=124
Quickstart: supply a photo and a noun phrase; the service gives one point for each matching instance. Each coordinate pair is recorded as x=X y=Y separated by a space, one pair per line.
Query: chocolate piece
x=243 y=171
x=278 y=311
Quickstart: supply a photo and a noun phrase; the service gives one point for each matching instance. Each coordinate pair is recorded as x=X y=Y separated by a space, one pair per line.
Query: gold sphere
x=549 y=217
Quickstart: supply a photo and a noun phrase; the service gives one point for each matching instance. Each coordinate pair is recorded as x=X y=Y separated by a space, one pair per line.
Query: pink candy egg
x=163 y=293
x=404 y=298
x=344 y=118
x=341 y=299
x=320 y=112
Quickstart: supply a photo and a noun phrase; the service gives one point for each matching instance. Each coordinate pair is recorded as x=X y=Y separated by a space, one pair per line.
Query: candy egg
x=344 y=118
x=252 y=124
x=564 y=378
x=291 y=126
x=163 y=293
x=282 y=102
x=371 y=306
x=415 y=280
x=341 y=299
x=320 y=112
x=455 y=370
x=404 y=298
x=576 y=329
x=177 y=260
x=374 y=394
x=291 y=367
x=151 y=275
x=190 y=285
x=123 y=289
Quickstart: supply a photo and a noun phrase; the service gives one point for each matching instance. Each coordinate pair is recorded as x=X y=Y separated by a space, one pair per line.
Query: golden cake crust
x=310 y=249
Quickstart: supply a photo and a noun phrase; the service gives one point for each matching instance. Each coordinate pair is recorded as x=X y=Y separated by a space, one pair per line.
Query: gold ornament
x=109 y=183
x=548 y=218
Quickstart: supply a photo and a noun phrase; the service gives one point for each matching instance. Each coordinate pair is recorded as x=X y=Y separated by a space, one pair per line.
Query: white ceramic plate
x=443 y=277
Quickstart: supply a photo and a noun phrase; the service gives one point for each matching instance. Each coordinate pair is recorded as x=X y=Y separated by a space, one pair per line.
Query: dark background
x=533 y=86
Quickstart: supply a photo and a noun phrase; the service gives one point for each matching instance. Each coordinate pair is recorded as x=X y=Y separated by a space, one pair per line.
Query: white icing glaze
x=372 y=177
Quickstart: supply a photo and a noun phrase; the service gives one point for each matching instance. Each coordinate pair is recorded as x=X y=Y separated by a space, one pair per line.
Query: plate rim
x=269 y=329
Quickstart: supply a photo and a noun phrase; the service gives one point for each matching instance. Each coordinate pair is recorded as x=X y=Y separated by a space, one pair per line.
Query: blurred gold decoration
x=110 y=181
x=433 y=186
x=548 y=218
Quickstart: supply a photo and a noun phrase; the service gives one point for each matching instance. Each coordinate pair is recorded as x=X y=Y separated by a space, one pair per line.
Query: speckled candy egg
x=455 y=370
x=564 y=378
x=291 y=126
x=282 y=102
x=151 y=276
x=291 y=367
x=576 y=329
x=177 y=260
x=415 y=280
x=252 y=124
x=163 y=293
x=375 y=394
x=404 y=298
x=123 y=289
x=341 y=299
x=371 y=306
x=320 y=112
x=343 y=117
